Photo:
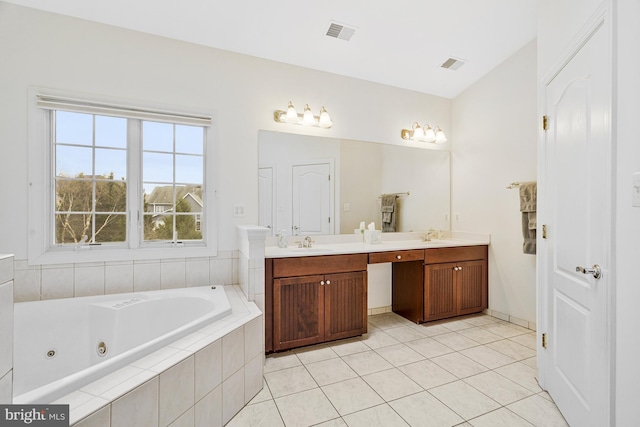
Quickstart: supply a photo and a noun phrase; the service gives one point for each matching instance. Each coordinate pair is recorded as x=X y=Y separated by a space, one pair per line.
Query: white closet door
x=575 y=366
x=312 y=198
x=266 y=200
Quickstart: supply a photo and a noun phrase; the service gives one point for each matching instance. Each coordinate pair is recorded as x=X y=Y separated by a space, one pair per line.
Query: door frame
x=604 y=15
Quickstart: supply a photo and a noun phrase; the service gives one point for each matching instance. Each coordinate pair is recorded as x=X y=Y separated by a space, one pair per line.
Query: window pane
x=158 y=227
x=188 y=228
x=157 y=167
x=111 y=228
x=189 y=169
x=111 y=196
x=74 y=195
x=111 y=131
x=73 y=161
x=74 y=128
x=189 y=139
x=70 y=228
x=157 y=136
x=111 y=163
x=158 y=198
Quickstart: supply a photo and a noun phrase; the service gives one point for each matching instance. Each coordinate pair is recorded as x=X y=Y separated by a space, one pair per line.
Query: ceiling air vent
x=453 y=63
x=339 y=31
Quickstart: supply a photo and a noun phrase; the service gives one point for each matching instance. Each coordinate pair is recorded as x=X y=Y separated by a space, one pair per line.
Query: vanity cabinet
x=455 y=281
x=314 y=299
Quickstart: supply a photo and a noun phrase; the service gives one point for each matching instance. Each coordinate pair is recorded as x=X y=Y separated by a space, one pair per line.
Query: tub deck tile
x=128 y=385
x=107 y=382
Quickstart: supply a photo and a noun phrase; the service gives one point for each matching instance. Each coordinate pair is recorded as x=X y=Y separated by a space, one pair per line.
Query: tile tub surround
x=36 y=282
x=6 y=328
x=403 y=374
x=204 y=378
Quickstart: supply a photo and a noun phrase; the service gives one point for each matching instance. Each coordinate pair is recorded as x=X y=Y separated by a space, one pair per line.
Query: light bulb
x=440 y=138
x=418 y=133
x=429 y=134
x=292 y=114
x=325 y=120
x=308 y=118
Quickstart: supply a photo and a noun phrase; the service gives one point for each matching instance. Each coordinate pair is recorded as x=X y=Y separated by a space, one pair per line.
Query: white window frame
x=41 y=247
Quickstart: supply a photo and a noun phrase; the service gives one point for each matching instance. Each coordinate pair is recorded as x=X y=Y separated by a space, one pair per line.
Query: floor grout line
x=389 y=325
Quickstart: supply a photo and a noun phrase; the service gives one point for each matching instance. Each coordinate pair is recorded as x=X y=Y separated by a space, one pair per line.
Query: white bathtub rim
x=68 y=384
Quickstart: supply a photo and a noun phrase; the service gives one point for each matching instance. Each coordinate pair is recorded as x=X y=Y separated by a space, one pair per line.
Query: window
x=121 y=177
x=172 y=174
x=90 y=178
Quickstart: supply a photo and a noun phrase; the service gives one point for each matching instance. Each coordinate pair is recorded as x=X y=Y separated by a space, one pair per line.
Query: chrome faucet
x=426 y=237
x=307 y=242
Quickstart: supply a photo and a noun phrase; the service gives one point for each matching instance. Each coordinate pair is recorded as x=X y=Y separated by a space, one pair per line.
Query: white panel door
x=312 y=199
x=266 y=201
x=576 y=363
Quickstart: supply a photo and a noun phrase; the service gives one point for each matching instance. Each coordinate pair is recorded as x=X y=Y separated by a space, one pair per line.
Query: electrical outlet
x=238 y=210
x=347 y=207
x=446 y=216
x=636 y=189
x=457 y=216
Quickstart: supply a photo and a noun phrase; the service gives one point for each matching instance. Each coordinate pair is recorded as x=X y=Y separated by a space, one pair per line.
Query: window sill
x=102 y=254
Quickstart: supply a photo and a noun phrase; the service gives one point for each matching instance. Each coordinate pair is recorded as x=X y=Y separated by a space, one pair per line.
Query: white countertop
x=349 y=244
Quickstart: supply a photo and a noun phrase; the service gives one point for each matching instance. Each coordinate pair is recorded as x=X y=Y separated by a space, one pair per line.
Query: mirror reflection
x=315 y=185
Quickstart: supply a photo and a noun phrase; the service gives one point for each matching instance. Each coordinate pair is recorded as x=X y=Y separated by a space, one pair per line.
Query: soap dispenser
x=282 y=239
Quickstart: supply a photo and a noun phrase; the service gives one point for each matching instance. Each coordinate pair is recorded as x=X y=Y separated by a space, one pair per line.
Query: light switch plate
x=238 y=210
x=347 y=207
x=636 y=190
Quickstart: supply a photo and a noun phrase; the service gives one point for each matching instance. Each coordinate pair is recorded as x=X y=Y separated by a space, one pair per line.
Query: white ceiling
x=399 y=43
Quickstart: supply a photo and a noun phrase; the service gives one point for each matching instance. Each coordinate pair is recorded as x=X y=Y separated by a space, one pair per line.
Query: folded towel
x=388 y=207
x=528 y=206
x=533 y=220
x=528 y=196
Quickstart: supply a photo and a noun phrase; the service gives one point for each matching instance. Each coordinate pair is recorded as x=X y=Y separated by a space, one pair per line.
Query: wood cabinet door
x=440 y=291
x=345 y=305
x=471 y=279
x=298 y=311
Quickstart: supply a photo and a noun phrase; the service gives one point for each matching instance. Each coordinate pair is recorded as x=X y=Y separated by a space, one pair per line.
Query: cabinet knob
x=328 y=282
x=399 y=256
x=322 y=282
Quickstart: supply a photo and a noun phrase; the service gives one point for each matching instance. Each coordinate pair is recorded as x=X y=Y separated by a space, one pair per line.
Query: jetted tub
x=62 y=345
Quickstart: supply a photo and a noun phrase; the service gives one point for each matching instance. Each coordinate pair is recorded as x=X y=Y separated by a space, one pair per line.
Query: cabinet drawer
x=396 y=256
x=455 y=254
x=326 y=264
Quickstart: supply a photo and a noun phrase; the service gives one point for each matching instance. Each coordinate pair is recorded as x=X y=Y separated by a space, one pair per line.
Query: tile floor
x=471 y=371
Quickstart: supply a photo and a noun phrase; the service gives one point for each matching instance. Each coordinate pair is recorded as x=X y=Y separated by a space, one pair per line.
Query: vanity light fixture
x=307 y=118
x=424 y=134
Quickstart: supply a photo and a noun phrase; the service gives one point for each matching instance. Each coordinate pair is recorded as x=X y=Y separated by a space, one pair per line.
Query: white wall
x=494 y=132
x=6 y=328
x=627 y=219
x=47 y=50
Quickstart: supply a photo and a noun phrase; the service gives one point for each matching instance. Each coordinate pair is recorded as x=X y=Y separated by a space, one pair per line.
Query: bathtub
x=62 y=345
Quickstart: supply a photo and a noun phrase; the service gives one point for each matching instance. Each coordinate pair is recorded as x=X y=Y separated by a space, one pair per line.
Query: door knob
x=595 y=271
x=328 y=282
x=398 y=256
x=322 y=282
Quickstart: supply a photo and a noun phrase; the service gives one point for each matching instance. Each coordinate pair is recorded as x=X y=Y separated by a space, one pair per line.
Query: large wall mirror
x=316 y=185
